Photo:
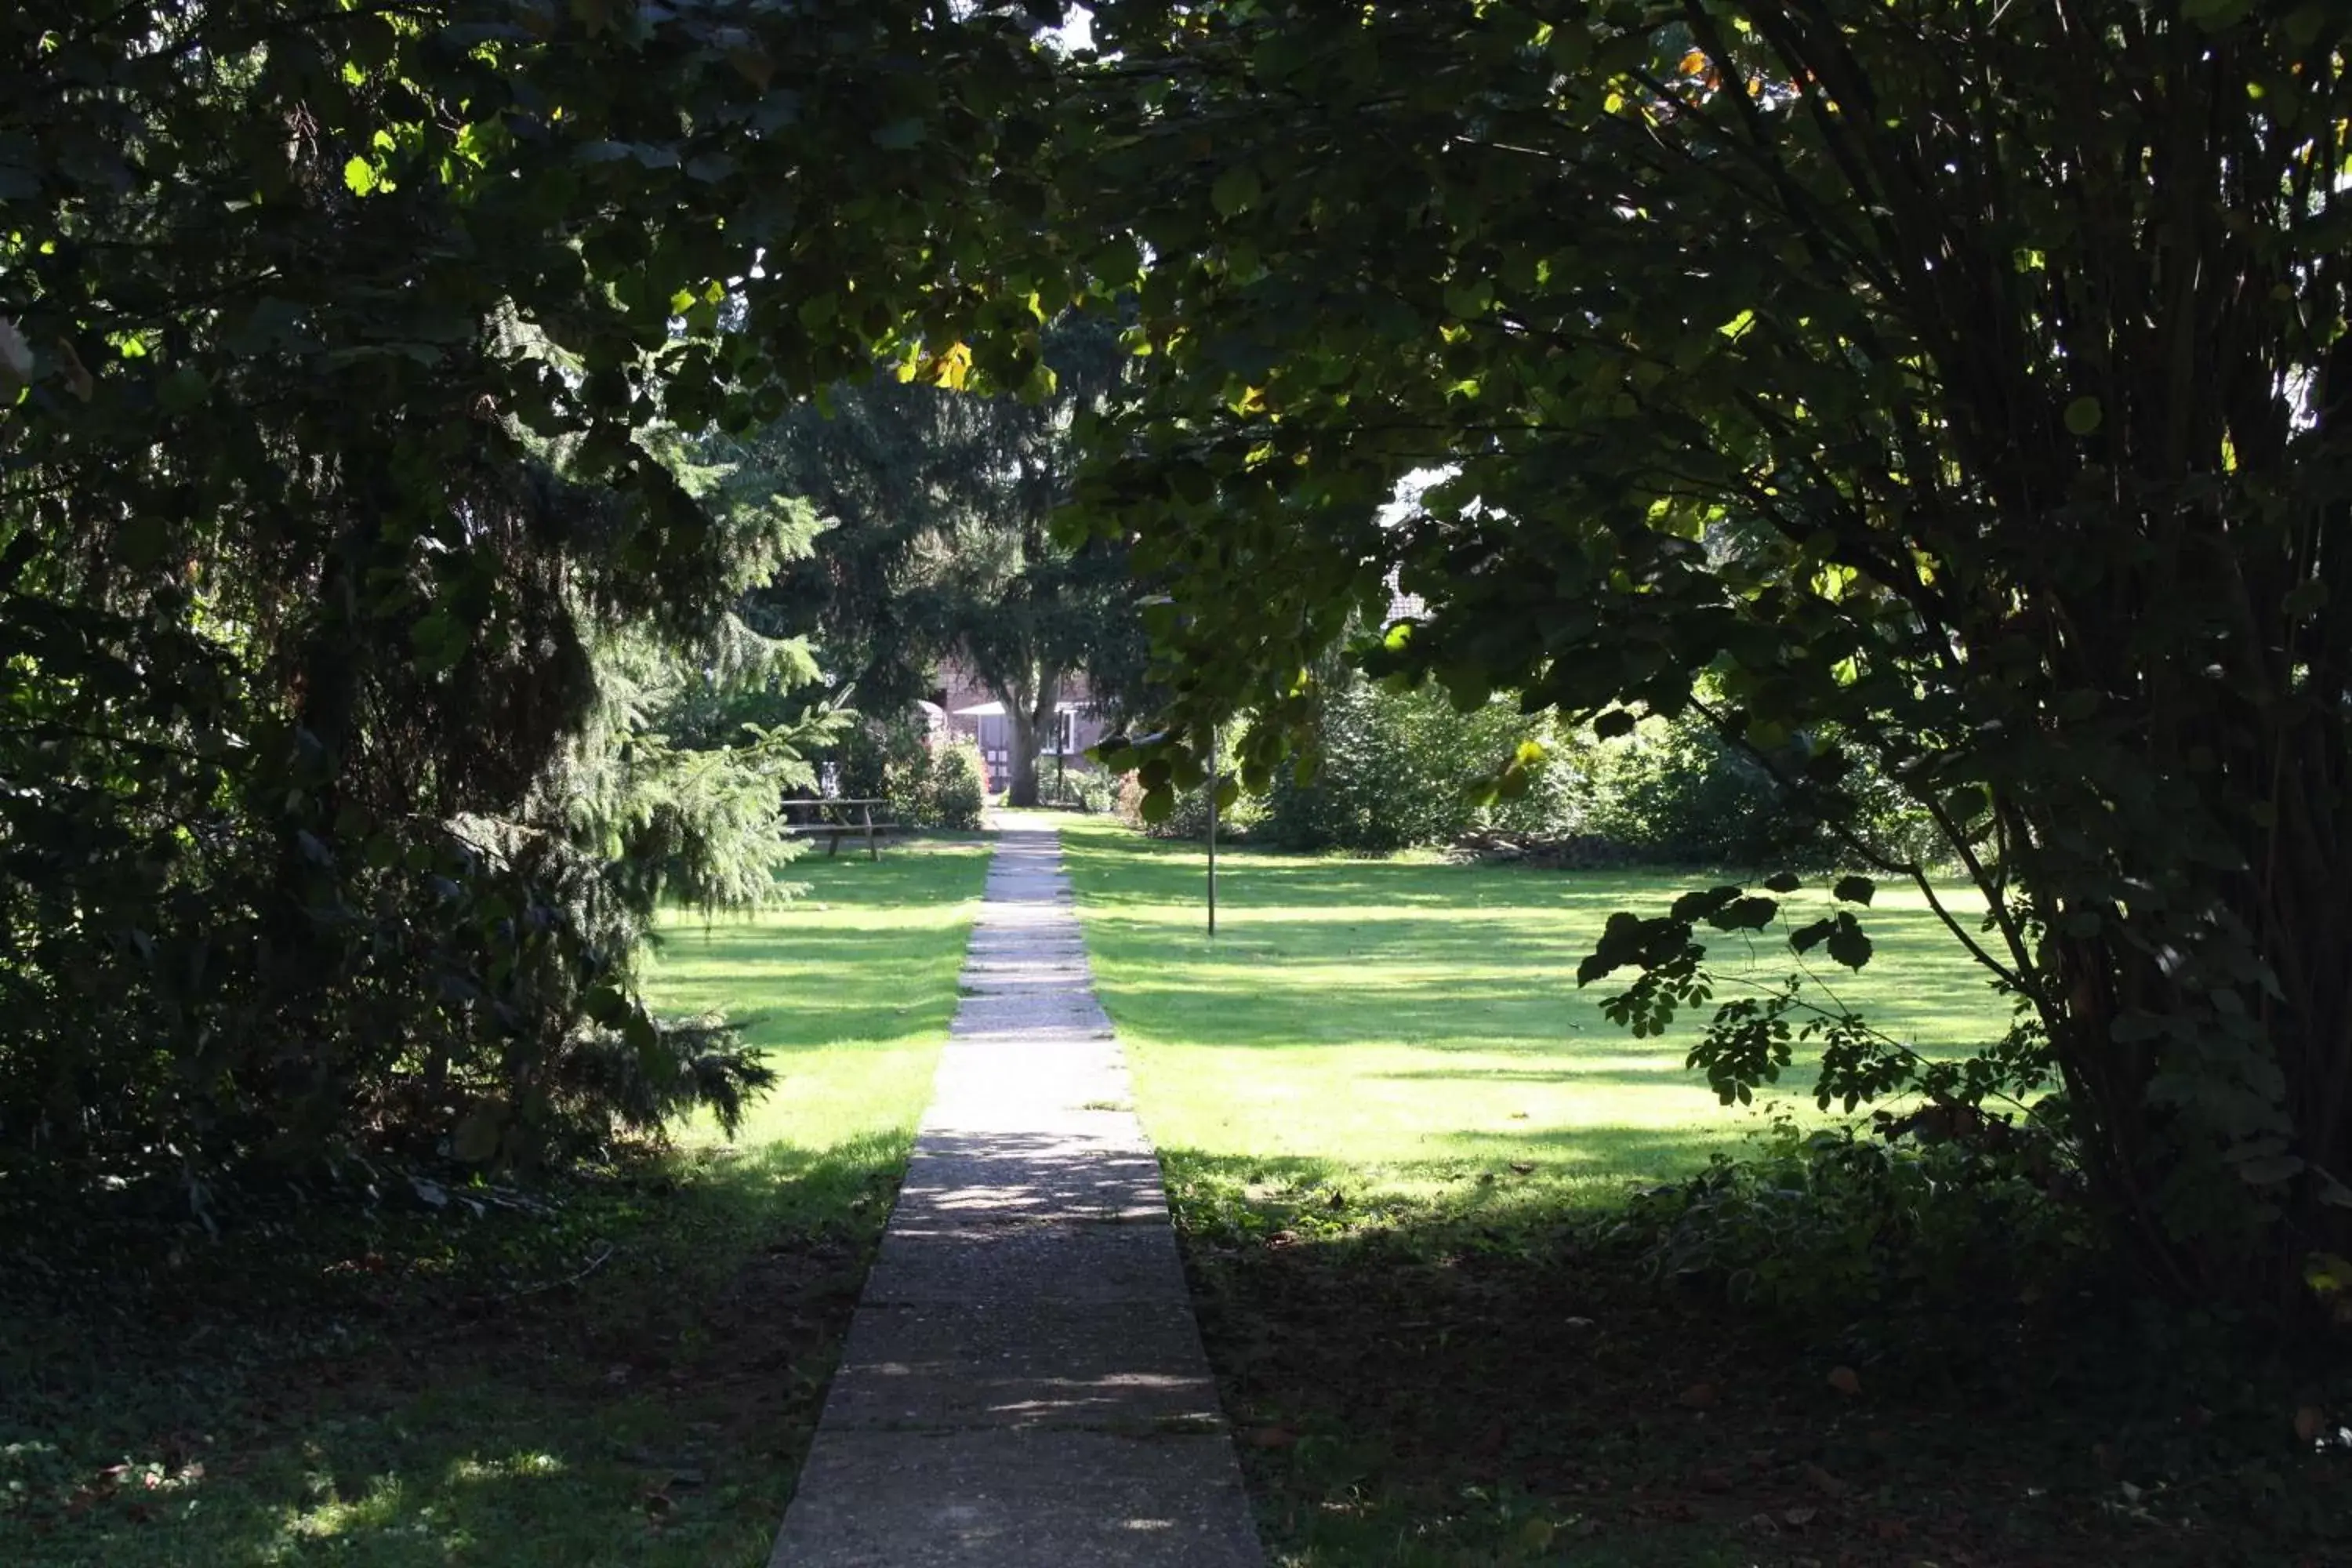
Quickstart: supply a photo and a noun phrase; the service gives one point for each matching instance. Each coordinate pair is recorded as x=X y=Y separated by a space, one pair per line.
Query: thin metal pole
x=1213 y=833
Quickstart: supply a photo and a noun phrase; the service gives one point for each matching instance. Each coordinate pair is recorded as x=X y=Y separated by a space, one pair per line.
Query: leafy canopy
x=1964 y=381
x=299 y=622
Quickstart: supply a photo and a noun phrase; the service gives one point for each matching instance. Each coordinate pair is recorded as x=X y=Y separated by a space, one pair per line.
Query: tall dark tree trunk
x=1028 y=716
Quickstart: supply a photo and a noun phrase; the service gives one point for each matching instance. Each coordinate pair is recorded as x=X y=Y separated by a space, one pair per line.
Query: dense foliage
x=1076 y=788
x=1963 y=381
x=318 y=827
x=1834 y=1226
x=1389 y=769
x=1381 y=768
x=940 y=502
x=959 y=795
x=926 y=781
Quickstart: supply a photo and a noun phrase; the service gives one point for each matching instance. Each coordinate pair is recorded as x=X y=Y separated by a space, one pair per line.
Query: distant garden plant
x=958 y=786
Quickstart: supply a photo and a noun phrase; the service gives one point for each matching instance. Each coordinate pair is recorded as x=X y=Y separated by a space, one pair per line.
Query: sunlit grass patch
x=622 y=1375
x=1415 y=1029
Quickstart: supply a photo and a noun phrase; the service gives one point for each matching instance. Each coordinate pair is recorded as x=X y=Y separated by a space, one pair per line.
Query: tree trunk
x=1027 y=720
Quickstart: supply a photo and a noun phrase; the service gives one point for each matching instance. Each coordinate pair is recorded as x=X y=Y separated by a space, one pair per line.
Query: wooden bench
x=834 y=831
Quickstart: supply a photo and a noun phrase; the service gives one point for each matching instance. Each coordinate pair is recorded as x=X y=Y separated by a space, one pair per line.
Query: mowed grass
x=1387 y=1116
x=848 y=990
x=1397 y=1137
x=1412 y=1030
x=621 y=1370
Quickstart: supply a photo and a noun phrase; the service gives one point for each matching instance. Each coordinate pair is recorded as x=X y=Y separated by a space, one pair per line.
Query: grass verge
x=1397 y=1139
x=1417 y=1027
x=624 y=1370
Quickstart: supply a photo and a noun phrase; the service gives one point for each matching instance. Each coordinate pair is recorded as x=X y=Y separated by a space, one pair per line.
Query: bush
x=1833 y=1223
x=923 y=784
x=887 y=760
x=1398 y=769
x=1675 y=790
x=1243 y=818
x=1083 y=789
x=958 y=795
x=1395 y=770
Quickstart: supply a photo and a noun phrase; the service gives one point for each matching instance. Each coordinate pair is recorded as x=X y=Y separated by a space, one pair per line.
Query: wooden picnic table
x=838 y=829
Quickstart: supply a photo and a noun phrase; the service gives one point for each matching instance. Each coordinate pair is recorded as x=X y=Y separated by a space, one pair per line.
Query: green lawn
x=1393 y=1132
x=1413 y=1030
x=626 y=1376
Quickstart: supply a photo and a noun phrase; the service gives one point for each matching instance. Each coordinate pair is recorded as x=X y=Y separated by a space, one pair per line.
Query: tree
x=940 y=504
x=298 y=621
x=1965 y=380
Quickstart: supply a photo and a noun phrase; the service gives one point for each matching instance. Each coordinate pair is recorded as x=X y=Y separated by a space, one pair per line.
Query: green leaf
x=1804 y=939
x=476 y=1139
x=2269 y=1170
x=1784 y=881
x=899 y=135
x=2306 y=600
x=1469 y=299
x=360 y=177
x=1849 y=944
x=1854 y=889
x=2083 y=417
x=1745 y=914
x=439 y=639
x=1615 y=722
x=182 y=390
x=1235 y=191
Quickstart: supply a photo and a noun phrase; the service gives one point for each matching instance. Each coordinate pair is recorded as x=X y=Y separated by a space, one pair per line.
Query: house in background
x=966 y=706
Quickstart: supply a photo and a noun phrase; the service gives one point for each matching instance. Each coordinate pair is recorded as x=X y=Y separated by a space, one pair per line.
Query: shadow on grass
x=1478 y=1173
x=630 y=1377
x=1396 y=1134
x=620 y=1369
x=1484 y=1376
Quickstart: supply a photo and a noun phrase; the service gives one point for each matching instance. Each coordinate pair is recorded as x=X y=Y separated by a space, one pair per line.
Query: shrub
x=1833 y=1223
x=1083 y=789
x=1675 y=790
x=958 y=797
x=1399 y=769
x=1243 y=818
x=888 y=759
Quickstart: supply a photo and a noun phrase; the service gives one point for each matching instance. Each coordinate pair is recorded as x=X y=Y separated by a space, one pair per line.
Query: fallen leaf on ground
x=1797 y=1517
x=1272 y=1438
x=2309 y=1423
x=1697 y=1396
x=1821 y=1481
x=1845 y=1380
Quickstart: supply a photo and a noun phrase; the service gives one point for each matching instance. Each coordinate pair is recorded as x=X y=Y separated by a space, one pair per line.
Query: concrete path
x=1023 y=1385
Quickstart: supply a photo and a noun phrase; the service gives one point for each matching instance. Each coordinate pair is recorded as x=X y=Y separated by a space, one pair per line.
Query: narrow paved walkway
x=1023 y=1385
